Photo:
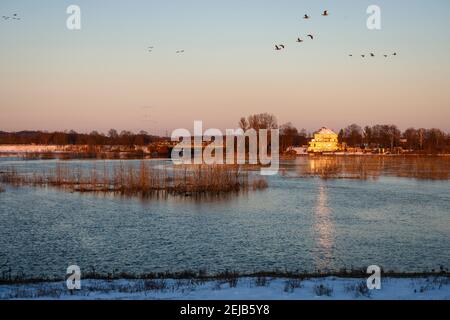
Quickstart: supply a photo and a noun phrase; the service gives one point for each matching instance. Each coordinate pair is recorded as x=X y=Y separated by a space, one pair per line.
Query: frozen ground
x=28 y=148
x=237 y=288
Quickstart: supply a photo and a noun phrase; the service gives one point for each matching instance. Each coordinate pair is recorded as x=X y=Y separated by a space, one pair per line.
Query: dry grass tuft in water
x=144 y=180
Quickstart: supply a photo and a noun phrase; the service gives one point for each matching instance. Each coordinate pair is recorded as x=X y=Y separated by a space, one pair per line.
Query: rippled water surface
x=297 y=223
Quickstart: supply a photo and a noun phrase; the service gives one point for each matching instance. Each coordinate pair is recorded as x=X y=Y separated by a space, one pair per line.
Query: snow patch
x=251 y=288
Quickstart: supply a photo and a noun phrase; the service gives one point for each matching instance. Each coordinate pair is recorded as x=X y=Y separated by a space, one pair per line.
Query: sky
x=102 y=76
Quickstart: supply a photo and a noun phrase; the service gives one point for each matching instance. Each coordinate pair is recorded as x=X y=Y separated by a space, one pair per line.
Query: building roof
x=325 y=130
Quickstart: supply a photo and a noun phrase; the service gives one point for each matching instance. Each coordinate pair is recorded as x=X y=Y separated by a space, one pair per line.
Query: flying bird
x=363 y=55
x=311 y=36
x=385 y=55
x=180 y=51
x=279 y=47
x=394 y=54
x=325 y=13
x=299 y=40
x=305 y=16
x=372 y=55
x=350 y=55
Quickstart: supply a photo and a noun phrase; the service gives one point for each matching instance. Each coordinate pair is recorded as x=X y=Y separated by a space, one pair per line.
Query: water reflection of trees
x=371 y=167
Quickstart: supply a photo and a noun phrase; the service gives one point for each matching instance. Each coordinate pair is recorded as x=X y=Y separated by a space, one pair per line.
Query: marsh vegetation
x=144 y=180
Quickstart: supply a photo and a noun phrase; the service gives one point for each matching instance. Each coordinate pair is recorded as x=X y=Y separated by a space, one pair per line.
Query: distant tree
x=60 y=138
x=262 y=121
x=353 y=135
x=394 y=136
x=288 y=134
x=302 y=138
x=421 y=137
x=126 y=138
x=341 y=136
x=112 y=133
x=72 y=137
x=368 y=135
x=412 y=138
x=243 y=124
x=434 y=140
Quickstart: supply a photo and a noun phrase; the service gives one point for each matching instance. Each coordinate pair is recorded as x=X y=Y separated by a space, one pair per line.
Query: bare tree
x=112 y=133
x=243 y=124
x=262 y=121
x=288 y=134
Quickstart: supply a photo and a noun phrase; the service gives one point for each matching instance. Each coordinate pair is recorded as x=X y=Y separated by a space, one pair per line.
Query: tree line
x=389 y=136
x=378 y=136
x=74 y=138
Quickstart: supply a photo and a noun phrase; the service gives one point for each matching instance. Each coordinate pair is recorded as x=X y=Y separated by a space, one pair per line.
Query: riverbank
x=58 y=149
x=249 y=288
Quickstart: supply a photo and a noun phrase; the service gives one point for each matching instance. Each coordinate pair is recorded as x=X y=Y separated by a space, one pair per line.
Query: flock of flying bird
x=150 y=49
x=279 y=47
x=373 y=55
x=13 y=17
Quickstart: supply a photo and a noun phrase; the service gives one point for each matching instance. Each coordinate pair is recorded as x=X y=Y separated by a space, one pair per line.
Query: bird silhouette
x=350 y=55
x=325 y=13
x=363 y=55
x=279 y=47
x=311 y=36
x=180 y=51
x=394 y=54
x=305 y=16
x=299 y=40
x=385 y=55
x=372 y=55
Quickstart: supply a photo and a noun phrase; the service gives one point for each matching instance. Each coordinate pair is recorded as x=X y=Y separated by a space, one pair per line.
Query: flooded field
x=318 y=213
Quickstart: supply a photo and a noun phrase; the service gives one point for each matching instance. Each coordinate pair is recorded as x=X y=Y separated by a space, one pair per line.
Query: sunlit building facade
x=325 y=140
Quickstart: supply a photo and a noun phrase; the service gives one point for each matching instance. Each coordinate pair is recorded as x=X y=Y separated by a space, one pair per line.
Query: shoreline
x=248 y=288
x=29 y=149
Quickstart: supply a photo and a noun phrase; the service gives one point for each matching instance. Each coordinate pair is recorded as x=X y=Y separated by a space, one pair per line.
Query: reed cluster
x=128 y=179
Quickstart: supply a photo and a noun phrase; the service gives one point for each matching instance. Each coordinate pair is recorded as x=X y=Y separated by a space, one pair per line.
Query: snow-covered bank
x=241 y=288
x=29 y=148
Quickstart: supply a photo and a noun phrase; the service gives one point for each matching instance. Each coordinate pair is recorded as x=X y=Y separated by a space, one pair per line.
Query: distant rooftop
x=325 y=130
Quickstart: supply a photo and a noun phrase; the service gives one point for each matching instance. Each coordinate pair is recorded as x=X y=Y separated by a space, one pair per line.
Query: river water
x=396 y=221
